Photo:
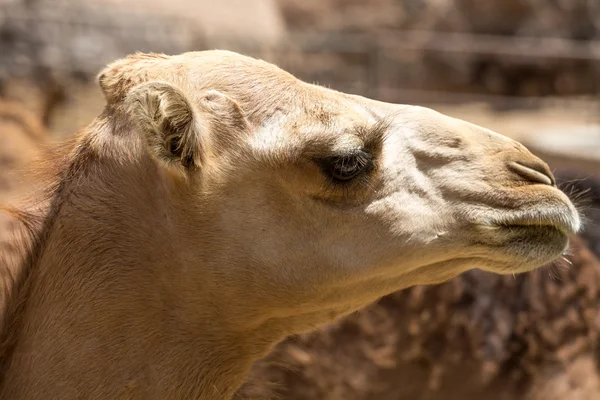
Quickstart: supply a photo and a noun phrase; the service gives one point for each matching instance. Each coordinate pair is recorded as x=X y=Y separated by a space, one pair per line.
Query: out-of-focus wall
x=51 y=50
x=78 y=37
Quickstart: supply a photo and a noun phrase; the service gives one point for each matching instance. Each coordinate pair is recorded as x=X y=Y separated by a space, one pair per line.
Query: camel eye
x=347 y=167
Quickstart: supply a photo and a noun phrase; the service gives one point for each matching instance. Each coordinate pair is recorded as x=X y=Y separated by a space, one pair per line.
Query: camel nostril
x=537 y=172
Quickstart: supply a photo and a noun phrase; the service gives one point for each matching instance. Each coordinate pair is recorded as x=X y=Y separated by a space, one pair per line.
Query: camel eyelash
x=346 y=168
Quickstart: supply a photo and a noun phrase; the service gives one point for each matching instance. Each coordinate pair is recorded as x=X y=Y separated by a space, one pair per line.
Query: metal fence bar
x=581 y=102
x=518 y=46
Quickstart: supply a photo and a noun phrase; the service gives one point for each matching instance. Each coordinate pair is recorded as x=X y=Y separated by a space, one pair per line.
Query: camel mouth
x=548 y=232
x=530 y=239
x=518 y=248
x=555 y=214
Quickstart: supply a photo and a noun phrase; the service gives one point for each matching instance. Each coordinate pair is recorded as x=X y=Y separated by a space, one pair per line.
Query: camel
x=218 y=205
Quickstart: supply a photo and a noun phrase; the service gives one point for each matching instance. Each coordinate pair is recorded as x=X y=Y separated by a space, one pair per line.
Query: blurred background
x=529 y=69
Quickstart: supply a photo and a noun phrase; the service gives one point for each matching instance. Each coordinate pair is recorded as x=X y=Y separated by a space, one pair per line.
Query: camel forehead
x=232 y=73
x=208 y=59
x=321 y=128
x=261 y=86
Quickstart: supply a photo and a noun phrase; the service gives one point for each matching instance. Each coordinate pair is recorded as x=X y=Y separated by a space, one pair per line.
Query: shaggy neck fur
x=104 y=308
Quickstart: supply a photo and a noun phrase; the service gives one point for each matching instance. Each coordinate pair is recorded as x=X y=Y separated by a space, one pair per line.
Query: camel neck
x=104 y=315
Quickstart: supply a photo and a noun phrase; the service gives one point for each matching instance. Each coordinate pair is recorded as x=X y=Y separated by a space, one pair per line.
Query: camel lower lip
x=539 y=228
x=532 y=246
x=519 y=235
x=538 y=236
x=535 y=227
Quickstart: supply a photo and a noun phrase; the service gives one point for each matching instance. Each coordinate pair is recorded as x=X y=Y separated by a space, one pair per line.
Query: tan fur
x=197 y=222
x=40 y=96
x=21 y=139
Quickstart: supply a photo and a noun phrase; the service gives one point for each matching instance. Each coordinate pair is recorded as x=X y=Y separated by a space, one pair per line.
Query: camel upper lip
x=566 y=224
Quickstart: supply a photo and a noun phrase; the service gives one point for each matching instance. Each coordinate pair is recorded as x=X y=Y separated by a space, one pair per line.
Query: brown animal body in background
x=218 y=205
x=21 y=139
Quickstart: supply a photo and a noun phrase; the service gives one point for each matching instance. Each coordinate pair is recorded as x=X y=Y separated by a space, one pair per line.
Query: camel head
x=307 y=203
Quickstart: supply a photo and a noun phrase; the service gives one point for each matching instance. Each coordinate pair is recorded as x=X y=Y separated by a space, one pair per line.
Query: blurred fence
x=71 y=40
x=380 y=60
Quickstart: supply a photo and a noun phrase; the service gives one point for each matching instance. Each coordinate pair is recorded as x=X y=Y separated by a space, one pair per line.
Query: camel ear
x=118 y=78
x=169 y=122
